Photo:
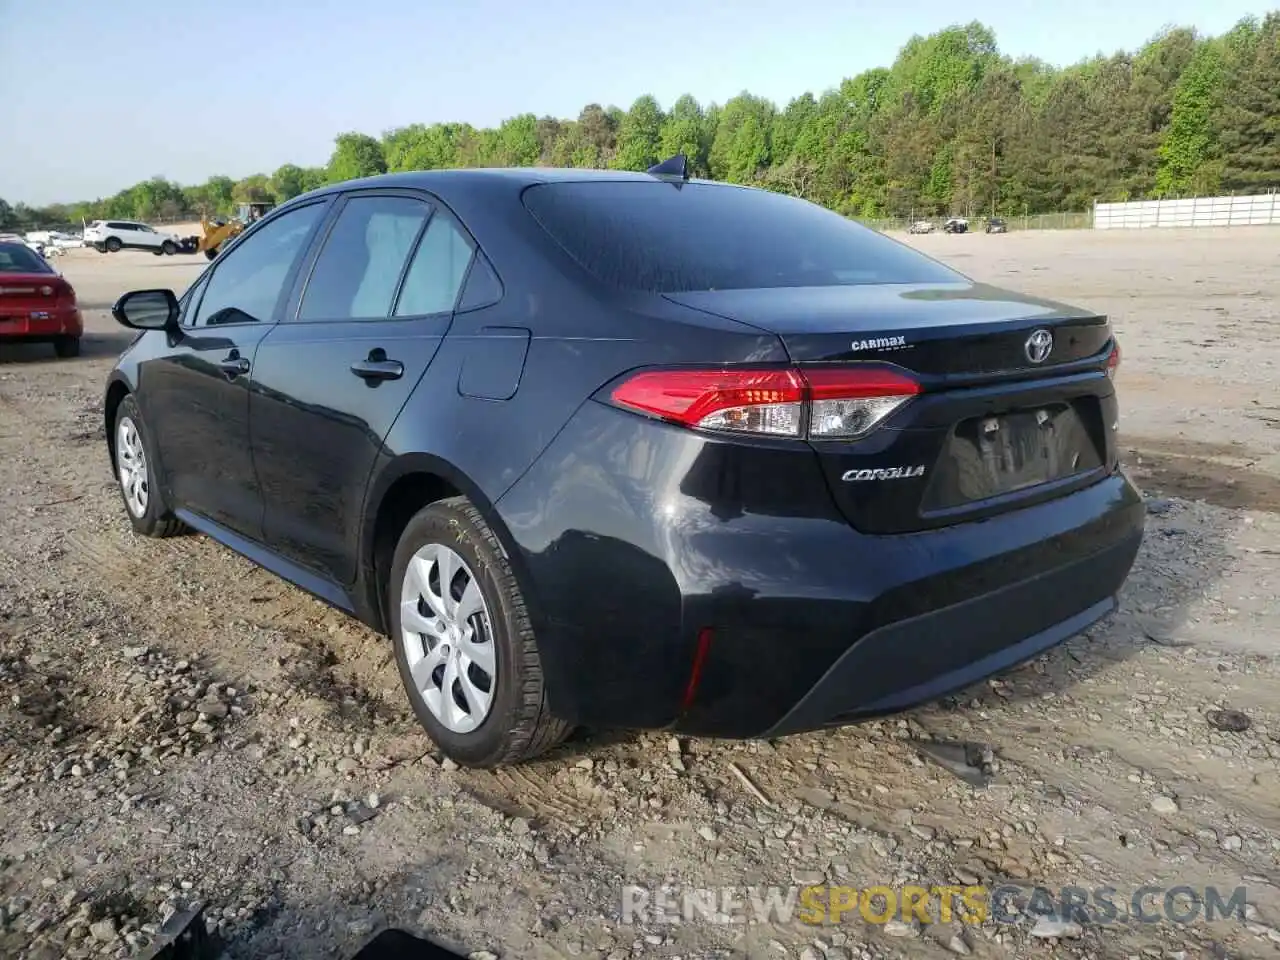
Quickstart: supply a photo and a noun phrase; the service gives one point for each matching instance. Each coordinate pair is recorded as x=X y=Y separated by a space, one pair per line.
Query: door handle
x=377 y=367
x=234 y=365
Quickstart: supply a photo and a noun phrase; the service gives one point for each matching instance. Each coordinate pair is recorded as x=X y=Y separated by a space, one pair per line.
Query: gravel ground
x=177 y=725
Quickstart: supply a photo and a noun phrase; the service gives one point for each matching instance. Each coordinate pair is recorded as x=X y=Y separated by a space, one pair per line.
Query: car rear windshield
x=669 y=238
x=18 y=258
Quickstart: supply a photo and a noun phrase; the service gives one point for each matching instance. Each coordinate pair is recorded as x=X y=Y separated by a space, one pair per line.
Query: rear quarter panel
x=580 y=336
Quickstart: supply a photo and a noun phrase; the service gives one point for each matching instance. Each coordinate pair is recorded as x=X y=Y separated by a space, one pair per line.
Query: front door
x=331 y=378
x=196 y=393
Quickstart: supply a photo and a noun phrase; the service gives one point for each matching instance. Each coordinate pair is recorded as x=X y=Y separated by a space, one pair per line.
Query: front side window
x=356 y=274
x=190 y=300
x=665 y=238
x=247 y=284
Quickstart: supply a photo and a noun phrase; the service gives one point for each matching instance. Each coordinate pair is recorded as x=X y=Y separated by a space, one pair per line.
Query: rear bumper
x=627 y=559
x=58 y=323
x=927 y=656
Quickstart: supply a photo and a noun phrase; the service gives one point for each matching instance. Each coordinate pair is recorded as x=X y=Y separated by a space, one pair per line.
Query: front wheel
x=464 y=645
x=211 y=253
x=135 y=472
x=168 y=248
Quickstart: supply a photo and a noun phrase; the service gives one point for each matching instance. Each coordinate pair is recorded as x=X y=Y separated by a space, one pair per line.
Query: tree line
x=953 y=126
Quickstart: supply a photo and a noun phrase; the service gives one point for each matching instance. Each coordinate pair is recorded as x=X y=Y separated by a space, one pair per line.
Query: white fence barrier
x=1258 y=210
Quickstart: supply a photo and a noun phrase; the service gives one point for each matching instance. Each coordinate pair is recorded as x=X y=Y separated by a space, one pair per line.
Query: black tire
x=113 y=245
x=519 y=725
x=168 y=248
x=210 y=254
x=67 y=347
x=156 y=520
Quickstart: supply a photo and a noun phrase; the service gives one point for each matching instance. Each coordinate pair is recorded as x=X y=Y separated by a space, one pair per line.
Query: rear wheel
x=463 y=641
x=211 y=253
x=113 y=245
x=168 y=248
x=67 y=347
x=135 y=472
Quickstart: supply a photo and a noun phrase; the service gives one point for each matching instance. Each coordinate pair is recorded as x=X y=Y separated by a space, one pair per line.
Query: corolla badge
x=883 y=473
x=1038 y=346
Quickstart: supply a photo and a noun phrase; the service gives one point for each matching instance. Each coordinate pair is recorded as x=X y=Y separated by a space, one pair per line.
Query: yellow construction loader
x=216 y=231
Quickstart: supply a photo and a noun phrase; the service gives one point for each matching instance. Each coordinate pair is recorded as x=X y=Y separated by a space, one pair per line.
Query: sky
x=101 y=95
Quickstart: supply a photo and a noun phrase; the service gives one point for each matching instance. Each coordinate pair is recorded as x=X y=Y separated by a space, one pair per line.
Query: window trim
x=293 y=307
x=325 y=201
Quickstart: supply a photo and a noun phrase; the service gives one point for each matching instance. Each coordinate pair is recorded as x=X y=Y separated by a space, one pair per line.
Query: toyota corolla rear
x=35 y=302
x=915 y=487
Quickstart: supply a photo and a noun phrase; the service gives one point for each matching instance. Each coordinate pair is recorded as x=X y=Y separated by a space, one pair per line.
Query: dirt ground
x=177 y=725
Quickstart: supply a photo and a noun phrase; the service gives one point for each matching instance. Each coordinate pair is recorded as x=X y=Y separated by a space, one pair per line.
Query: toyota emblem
x=1039 y=345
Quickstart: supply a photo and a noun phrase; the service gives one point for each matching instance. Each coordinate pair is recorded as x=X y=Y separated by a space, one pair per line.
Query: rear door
x=195 y=392
x=361 y=330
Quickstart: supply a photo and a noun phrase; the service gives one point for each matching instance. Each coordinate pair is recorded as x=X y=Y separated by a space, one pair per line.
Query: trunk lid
x=954 y=330
x=1016 y=405
x=29 y=295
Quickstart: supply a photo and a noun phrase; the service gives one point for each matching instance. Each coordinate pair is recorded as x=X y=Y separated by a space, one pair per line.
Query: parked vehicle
x=112 y=236
x=65 y=241
x=630 y=450
x=997 y=225
x=27 y=242
x=921 y=226
x=36 y=302
x=956 y=225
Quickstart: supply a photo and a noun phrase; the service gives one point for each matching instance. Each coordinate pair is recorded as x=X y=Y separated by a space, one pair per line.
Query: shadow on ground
x=92 y=346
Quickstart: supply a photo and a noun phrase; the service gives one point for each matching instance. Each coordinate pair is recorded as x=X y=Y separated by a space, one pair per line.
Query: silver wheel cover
x=447 y=638
x=131 y=465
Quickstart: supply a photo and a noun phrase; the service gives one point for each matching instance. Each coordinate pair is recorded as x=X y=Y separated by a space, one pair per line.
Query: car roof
x=472 y=191
x=472 y=178
x=523 y=175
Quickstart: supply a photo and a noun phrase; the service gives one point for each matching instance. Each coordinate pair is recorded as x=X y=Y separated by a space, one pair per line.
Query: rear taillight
x=850 y=401
x=827 y=403
x=1113 y=358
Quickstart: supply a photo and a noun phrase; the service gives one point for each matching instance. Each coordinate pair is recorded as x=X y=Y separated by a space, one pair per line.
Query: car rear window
x=17 y=258
x=671 y=238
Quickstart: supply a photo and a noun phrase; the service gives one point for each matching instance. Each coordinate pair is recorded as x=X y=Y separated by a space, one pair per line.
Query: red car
x=36 y=303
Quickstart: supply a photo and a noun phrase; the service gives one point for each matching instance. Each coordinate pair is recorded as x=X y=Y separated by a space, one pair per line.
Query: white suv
x=111 y=236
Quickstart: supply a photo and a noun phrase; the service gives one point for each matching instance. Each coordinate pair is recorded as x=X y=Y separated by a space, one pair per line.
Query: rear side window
x=664 y=238
x=438 y=269
x=356 y=274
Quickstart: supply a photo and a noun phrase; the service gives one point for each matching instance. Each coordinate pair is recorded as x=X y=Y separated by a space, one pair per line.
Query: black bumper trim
x=961 y=644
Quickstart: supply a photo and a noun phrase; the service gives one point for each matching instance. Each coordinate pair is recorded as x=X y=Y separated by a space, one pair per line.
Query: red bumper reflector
x=695 y=672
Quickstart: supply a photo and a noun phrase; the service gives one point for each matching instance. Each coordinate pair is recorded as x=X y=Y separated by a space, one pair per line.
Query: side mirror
x=147 y=310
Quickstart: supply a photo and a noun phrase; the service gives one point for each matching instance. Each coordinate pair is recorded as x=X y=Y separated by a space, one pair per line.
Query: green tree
x=639 y=136
x=740 y=149
x=355 y=155
x=684 y=130
x=1188 y=149
x=288 y=181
